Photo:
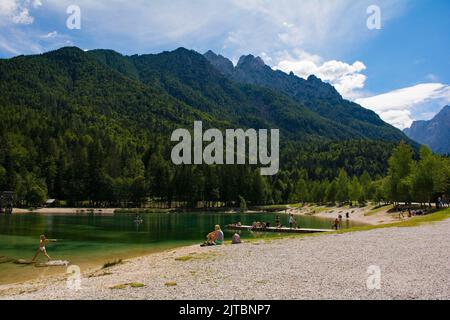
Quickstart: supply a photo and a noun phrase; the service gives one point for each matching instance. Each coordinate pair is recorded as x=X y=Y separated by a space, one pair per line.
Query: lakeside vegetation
x=91 y=129
x=410 y=178
x=440 y=215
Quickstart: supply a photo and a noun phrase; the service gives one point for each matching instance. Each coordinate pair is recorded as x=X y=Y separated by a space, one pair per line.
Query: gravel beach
x=414 y=264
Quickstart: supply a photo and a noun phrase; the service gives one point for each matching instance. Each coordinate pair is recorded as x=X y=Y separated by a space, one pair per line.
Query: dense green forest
x=408 y=180
x=93 y=128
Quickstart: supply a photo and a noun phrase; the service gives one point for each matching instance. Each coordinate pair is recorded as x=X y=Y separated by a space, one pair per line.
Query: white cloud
x=347 y=78
x=232 y=27
x=49 y=35
x=23 y=17
x=401 y=107
x=36 y=3
x=20 y=32
x=17 y=11
x=398 y=118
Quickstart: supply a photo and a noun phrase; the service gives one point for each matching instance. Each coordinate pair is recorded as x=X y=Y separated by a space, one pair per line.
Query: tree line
x=91 y=163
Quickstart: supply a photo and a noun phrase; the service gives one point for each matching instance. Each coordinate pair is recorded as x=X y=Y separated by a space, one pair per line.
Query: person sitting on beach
x=219 y=235
x=42 y=241
x=236 y=239
x=210 y=239
x=214 y=238
x=258 y=225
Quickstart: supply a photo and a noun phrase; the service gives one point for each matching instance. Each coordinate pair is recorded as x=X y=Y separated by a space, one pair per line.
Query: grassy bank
x=413 y=222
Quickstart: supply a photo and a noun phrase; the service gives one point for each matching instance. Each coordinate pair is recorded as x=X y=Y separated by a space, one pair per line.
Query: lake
x=91 y=240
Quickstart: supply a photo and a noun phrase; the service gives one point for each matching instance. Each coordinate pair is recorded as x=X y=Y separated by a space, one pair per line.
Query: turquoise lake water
x=88 y=240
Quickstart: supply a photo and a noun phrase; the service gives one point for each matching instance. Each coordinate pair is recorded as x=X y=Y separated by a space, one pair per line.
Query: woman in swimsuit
x=41 y=248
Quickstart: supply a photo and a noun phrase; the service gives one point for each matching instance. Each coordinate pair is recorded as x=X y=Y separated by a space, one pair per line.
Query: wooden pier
x=278 y=230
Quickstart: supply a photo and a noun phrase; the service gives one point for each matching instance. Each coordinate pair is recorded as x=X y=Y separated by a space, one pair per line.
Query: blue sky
x=401 y=71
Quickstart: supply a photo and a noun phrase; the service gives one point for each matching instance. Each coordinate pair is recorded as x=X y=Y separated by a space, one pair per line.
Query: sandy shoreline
x=322 y=267
x=66 y=211
x=366 y=215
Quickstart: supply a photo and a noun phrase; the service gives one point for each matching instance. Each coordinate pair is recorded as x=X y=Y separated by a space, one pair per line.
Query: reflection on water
x=91 y=240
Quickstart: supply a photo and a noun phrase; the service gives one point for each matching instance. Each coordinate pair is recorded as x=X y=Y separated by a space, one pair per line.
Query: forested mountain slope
x=96 y=126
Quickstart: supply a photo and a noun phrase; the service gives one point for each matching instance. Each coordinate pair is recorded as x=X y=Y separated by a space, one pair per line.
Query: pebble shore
x=414 y=264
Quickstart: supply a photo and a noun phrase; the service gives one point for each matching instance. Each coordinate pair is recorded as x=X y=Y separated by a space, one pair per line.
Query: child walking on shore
x=42 y=241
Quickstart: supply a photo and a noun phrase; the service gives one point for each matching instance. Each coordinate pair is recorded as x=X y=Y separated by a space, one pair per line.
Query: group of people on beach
x=409 y=212
x=216 y=238
x=337 y=224
x=263 y=225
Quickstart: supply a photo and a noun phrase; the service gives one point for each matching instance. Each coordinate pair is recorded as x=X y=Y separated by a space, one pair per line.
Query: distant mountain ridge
x=208 y=87
x=316 y=95
x=253 y=70
x=434 y=133
x=212 y=84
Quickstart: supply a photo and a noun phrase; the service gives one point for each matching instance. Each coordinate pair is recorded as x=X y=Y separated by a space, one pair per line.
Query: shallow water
x=90 y=241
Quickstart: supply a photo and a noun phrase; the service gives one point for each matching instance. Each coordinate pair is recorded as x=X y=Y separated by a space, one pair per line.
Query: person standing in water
x=336 y=224
x=277 y=222
x=291 y=221
x=42 y=241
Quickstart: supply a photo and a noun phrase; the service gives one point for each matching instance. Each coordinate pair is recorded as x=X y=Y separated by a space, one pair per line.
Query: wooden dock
x=278 y=230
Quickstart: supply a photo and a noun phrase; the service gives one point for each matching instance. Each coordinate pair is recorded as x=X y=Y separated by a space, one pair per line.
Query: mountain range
x=434 y=133
x=72 y=118
x=182 y=84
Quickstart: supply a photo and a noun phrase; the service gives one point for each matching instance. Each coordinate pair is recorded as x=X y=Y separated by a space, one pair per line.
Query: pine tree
x=367 y=187
x=355 y=190
x=331 y=192
x=342 y=187
x=400 y=167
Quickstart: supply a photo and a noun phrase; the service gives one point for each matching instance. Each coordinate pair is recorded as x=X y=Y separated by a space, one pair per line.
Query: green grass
x=272 y=208
x=126 y=285
x=170 y=284
x=100 y=275
x=378 y=209
x=195 y=256
x=296 y=205
x=184 y=258
x=315 y=210
x=414 y=222
x=137 y=285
